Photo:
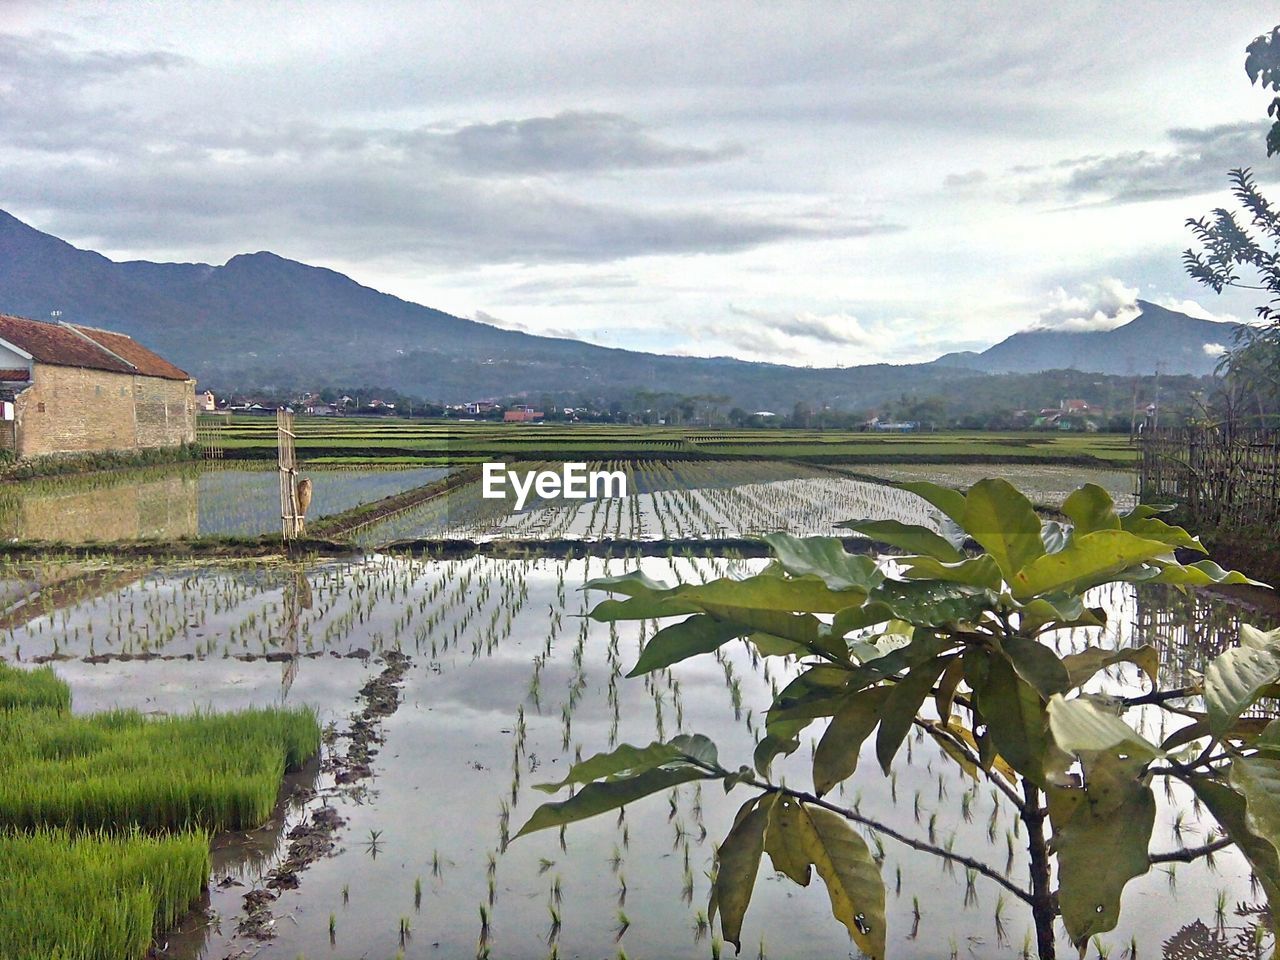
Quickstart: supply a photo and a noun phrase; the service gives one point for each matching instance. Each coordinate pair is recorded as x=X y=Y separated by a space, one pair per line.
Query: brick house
x=75 y=389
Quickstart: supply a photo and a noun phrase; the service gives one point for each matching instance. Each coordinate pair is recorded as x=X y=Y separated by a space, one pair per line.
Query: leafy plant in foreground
x=952 y=641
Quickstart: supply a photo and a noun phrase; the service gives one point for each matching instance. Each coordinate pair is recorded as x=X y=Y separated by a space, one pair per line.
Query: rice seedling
x=40 y=687
x=121 y=769
x=93 y=896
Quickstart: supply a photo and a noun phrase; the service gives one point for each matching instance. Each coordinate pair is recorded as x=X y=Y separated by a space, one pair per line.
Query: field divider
x=342 y=525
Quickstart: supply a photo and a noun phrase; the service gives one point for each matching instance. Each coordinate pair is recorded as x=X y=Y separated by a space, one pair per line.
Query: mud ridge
x=316 y=837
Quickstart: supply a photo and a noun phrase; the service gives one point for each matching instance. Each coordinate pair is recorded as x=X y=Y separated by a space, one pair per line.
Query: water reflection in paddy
x=498 y=643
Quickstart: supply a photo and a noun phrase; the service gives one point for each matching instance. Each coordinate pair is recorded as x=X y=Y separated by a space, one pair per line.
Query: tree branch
x=975 y=865
x=1187 y=854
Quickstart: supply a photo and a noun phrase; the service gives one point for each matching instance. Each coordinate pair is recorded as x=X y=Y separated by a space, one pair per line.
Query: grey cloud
x=960 y=180
x=570 y=141
x=574 y=283
x=390 y=211
x=1197 y=163
x=838 y=328
x=482 y=317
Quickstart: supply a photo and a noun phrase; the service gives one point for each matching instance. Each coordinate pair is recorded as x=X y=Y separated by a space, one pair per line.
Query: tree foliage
x=1243 y=250
x=954 y=640
x=1263 y=67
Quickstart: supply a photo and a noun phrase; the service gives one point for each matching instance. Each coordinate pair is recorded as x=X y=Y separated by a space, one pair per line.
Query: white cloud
x=1103 y=305
x=1214 y=349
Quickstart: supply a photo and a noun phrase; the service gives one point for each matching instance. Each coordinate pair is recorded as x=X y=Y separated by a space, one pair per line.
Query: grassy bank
x=105 y=819
x=32 y=689
x=94 y=896
x=122 y=770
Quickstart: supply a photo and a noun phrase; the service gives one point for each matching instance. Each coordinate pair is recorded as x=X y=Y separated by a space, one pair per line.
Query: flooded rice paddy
x=184 y=501
x=666 y=500
x=507 y=684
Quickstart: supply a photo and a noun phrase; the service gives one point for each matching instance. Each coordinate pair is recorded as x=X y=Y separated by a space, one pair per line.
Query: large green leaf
x=979 y=571
x=1056 y=611
x=1037 y=664
x=807 y=594
x=627 y=760
x=1099 y=851
x=1012 y=709
x=1202 y=573
x=932 y=603
x=643 y=607
x=911 y=537
x=798 y=627
x=1083 y=665
x=902 y=705
x=1251 y=636
x=853 y=881
x=1230 y=810
x=1080 y=726
x=1084 y=562
x=1142 y=522
x=826 y=559
x=1091 y=508
x=836 y=756
x=1233 y=681
x=950 y=502
x=782 y=840
x=1005 y=523
x=1258 y=780
x=603 y=796
x=688 y=638
x=860 y=617
x=632 y=584
x=737 y=864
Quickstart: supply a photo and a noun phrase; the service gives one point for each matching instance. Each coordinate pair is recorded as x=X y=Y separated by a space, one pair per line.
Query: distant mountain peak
x=1158 y=337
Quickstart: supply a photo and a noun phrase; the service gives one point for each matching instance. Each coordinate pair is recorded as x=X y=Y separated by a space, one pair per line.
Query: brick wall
x=72 y=410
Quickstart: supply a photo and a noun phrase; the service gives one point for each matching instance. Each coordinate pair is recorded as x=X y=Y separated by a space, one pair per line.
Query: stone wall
x=73 y=410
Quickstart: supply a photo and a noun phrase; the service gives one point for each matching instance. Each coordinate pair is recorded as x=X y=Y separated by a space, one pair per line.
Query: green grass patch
x=39 y=688
x=121 y=770
x=95 y=896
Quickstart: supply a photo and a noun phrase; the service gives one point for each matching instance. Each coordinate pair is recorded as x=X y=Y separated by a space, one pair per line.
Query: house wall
x=11 y=361
x=73 y=410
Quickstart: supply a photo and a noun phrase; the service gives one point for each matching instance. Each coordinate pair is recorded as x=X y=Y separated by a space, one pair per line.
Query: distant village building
x=522 y=414
x=207 y=402
x=76 y=389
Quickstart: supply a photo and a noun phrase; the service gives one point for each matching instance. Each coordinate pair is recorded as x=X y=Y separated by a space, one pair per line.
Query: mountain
x=1157 y=338
x=262 y=322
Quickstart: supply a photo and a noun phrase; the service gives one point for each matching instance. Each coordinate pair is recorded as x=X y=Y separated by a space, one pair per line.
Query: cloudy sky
x=811 y=183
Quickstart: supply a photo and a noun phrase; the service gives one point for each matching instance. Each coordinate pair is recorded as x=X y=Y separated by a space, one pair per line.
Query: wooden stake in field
x=292 y=514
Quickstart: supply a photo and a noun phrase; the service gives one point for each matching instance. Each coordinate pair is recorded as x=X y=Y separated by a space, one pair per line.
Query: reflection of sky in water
x=184 y=501
x=667 y=501
x=1047 y=483
x=476 y=629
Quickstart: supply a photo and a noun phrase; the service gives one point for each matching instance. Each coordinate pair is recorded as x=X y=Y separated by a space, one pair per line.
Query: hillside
x=1156 y=338
x=261 y=321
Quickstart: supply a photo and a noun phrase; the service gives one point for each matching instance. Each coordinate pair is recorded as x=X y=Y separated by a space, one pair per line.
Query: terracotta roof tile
x=66 y=345
x=13 y=373
x=144 y=361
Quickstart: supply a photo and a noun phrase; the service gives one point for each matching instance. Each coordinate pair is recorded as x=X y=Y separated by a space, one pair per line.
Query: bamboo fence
x=1222 y=479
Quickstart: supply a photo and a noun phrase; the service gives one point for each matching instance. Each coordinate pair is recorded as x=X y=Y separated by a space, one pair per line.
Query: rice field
x=32 y=689
x=1047 y=484
x=457 y=441
x=94 y=896
x=507 y=685
x=121 y=770
x=177 y=502
x=682 y=499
